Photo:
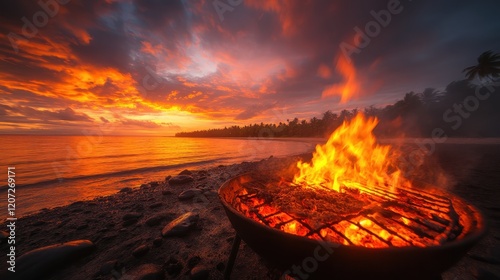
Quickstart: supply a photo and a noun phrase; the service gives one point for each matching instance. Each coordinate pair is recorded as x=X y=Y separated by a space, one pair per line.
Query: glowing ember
x=372 y=219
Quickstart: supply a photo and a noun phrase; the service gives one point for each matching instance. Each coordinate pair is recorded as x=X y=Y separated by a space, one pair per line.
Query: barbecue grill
x=404 y=234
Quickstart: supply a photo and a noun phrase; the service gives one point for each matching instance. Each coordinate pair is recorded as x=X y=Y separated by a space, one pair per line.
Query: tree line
x=462 y=109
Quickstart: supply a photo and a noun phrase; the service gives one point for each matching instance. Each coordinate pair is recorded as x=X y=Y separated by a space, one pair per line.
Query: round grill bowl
x=325 y=260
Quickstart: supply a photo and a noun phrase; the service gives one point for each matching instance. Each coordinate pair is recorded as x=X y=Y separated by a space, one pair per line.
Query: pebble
x=189 y=194
x=186 y=172
x=167 y=178
x=154 y=184
x=147 y=271
x=126 y=190
x=156 y=205
x=200 y=272
x=205 y=189
x=166 y=192
x=77 y=210
x=109 y=236
x=157 y=219
x=486 y=258
x=483 y=274
x=38 y=263
x=3 y=236
x=221 y=266
x=132 y=215
x=131 y=218
x=83 y=226
x=173 y=266
x=145 y=186
x=129 y=222
x=157 y=242
x=140 y=251
x=180 y=180
x=181 y=226
x=107 y=267
x=39 y=223
x=193 y=261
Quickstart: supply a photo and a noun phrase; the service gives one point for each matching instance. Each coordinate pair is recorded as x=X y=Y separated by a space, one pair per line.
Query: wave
x=64 y=159
x=119 y=173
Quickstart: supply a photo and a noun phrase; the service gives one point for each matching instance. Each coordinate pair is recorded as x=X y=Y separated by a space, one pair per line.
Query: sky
x=137 y=67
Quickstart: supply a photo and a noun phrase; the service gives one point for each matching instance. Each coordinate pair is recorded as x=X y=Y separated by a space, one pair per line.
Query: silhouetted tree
x=488 y=65
x=430 y=96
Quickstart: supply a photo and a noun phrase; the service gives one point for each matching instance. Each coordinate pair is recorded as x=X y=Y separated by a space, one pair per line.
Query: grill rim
x=472 y=237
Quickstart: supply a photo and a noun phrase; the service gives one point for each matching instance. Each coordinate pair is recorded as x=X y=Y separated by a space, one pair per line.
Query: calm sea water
x=54 y=171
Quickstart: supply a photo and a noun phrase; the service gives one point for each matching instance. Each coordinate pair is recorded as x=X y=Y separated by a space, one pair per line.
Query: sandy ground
x=106 y=222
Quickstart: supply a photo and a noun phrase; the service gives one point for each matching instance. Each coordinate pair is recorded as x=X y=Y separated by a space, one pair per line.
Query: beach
x=53 y=171
x=126 y=228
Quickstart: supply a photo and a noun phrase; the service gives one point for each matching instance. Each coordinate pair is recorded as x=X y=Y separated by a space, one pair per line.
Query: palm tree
x=430 y=96
x=488 y=65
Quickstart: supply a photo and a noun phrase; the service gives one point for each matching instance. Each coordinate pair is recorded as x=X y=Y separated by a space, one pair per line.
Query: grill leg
x=232 y=257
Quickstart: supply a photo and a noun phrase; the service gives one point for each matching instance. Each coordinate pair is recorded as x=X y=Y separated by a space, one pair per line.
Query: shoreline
x=106 y=222
x=69 y=186
x=126 y=227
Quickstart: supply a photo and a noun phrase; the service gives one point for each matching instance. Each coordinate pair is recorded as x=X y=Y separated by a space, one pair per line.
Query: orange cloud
x=347 y=89
x=324 y=71
x=148 y=48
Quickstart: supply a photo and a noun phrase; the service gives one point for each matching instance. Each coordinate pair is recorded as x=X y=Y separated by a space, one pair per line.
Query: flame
x=350 y=87
x=352 y=158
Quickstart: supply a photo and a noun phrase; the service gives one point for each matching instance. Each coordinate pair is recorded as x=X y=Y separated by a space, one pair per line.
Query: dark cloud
x=138 y=123
x=157 y=13
x=253 y=111
x=106 y=49
x=29 y=114
x=141 y=57
x=147 y=124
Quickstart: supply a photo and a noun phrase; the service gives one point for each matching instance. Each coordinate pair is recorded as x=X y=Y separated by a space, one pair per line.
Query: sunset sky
x=159 y=67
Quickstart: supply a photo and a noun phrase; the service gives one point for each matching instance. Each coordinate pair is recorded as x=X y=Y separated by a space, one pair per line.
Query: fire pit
x=423 y=244
x=350 y=215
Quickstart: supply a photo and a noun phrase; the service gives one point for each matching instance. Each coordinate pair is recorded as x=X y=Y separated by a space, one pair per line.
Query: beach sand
x=126 y=227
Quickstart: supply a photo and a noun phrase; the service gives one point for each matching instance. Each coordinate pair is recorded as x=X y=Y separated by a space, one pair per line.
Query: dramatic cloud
x=26 y=114
x=153 y=66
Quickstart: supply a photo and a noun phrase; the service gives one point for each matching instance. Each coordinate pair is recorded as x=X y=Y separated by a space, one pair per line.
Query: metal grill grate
x=405 y=218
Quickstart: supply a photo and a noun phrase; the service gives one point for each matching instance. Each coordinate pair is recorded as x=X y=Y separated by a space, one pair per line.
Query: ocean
x=52 y=171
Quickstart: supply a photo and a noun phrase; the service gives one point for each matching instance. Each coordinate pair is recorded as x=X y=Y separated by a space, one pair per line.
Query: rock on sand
x=180 y=226
x=38 y=263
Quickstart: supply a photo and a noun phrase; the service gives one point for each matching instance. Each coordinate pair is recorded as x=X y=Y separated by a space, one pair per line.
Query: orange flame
x=352 y=158
x=350 y=87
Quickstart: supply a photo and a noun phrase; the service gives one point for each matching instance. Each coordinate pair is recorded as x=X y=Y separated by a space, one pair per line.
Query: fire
x=352 y=158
